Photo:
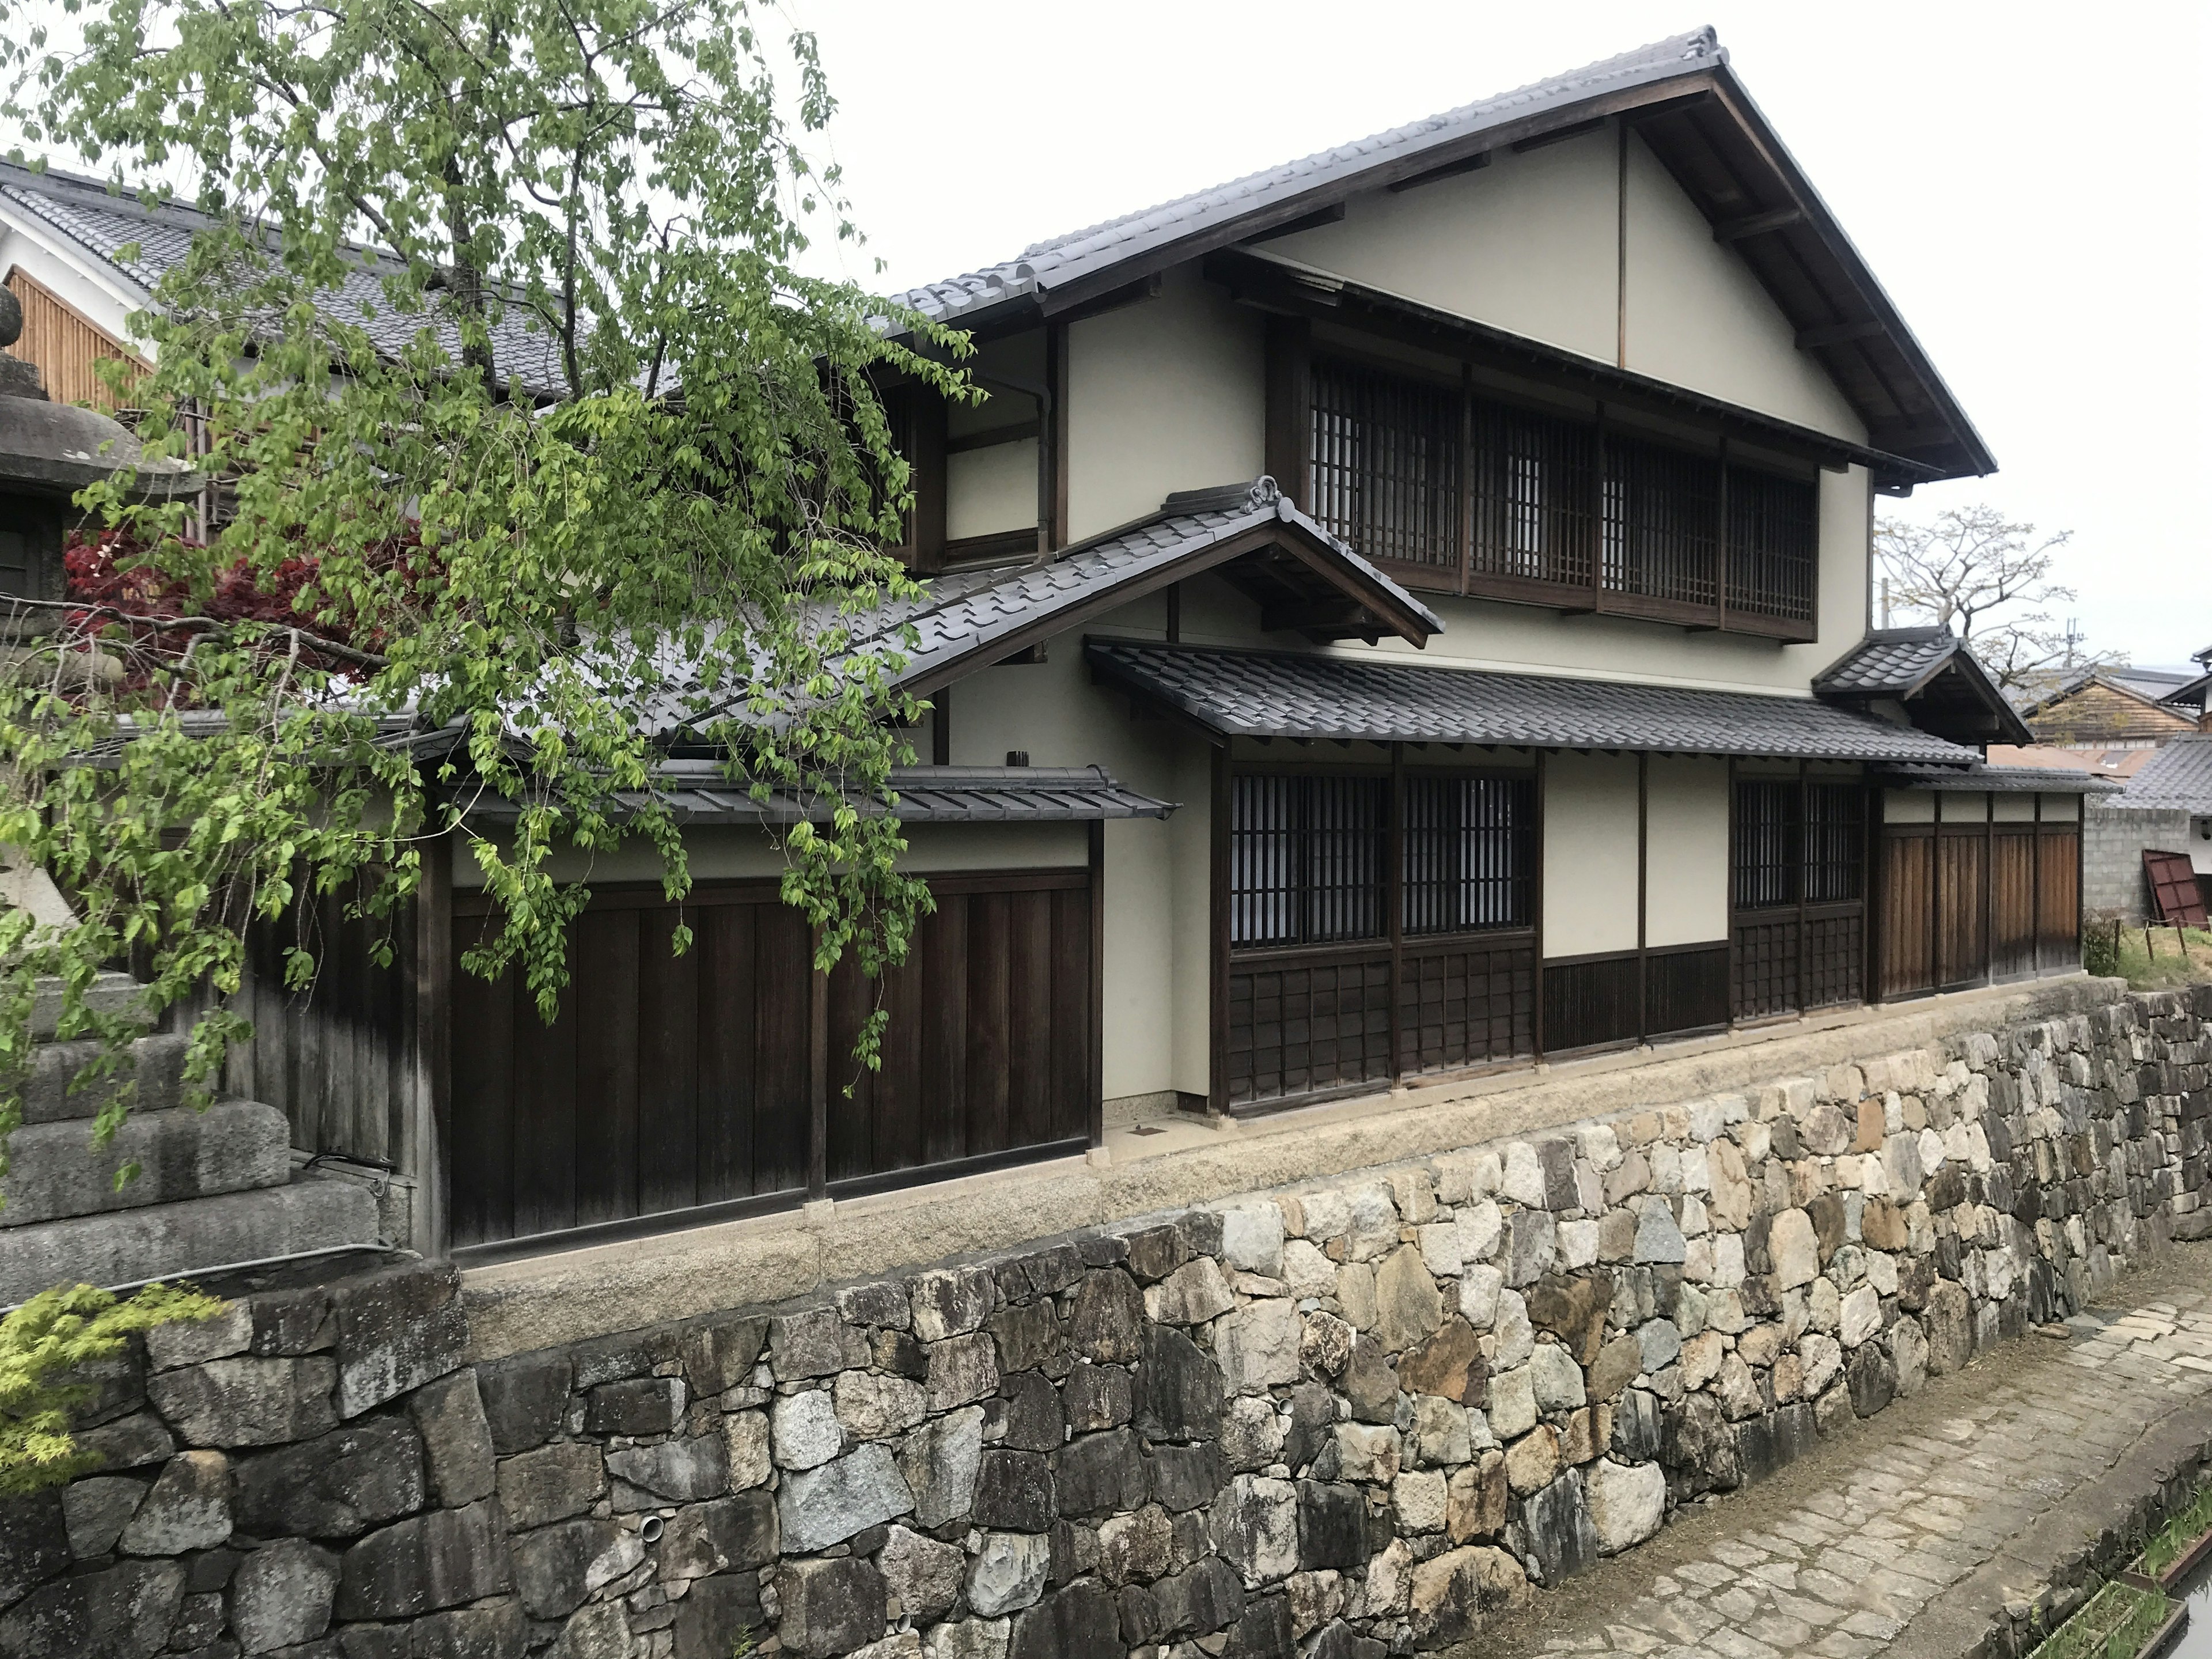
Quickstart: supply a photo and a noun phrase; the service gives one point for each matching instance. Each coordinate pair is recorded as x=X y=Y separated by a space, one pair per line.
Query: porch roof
x=1934 y=671
x=2001 y=779
x=1260 y=693
x=700 y=792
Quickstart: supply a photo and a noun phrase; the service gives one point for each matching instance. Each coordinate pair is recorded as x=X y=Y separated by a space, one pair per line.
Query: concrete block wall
x=1344 y=1418
x=2112 y=845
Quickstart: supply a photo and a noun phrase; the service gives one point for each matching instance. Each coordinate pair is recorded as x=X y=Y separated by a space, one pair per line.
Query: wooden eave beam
x=1465 y=164
x=1757 y=224
x=1828 y=334
x=1331 y=215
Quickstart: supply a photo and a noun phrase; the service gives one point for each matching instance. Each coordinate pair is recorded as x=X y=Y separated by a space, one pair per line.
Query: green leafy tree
x=502 y=348
x=44 y=1344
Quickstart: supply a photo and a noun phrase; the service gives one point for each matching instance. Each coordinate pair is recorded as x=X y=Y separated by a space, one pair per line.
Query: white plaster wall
x=1962 y=806
x=1908 y=806
x=991 y=489
x=1687 y=842
x=1163 y=395
x=95 y=291
x=1528 y=243
x=1590 y=854
x=2061 y=808
x=2012 y=809
x=1698 y=317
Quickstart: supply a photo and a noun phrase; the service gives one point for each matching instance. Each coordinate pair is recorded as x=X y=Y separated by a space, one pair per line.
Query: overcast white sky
x=2031 y=183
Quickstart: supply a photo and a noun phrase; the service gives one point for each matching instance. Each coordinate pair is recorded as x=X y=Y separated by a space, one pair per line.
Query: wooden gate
x=1964 y=904
x=721 y=1081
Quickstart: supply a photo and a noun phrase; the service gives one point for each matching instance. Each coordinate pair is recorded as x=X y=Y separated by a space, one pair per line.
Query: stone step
x=156 y=1062
x=174 y=1241
x=55 y=1172
x=110 y=993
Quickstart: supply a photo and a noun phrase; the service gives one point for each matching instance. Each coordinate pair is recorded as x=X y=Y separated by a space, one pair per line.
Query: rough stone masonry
x=1339 y=1420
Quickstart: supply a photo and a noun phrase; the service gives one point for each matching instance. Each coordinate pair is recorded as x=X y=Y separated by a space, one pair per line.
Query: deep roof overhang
x=1279 y=284
x=1713 y=139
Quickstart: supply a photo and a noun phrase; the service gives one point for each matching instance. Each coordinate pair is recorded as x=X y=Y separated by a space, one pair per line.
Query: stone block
x=939 y=1463
x=1573 y=1309
x=922 y=1574
x=599 y=1632
x=806 y=1429
x=635 y=1405
x=1204 y=1597
x=126 y=1611
x=1616 y=1366
x=1178 y=1387
x=557 y=1568
x=397 y=1329
x=967 y=1639
x=1255 y=1528
x=1185 y=1477
x=1449 y=1594
x=729 y=1534
x=1008 y=1572
x=1014 y=1491
x=961 y=1369
x=188 y=1509
x=951 y=1301
x=457 y=1452
x=1449 y=1364
x=523 y=1400
x=1555 y=1379
x=441 y=1559
x=816 y=1342
x=1475 y=1499
x=246 y=1401
x=1332 y=1524
x=1627 y=1502
x=716 y=1613
x=827 y=1505
x=1097 y=1397
x=1027 y=1336
x=1561 y=1538
x=1191 y=1295
x=1101 y=1474
x=281 y=1596
x=669 y=1472
x=553 y=1482
x=1078 y=1622
x=829 y=1607
x=95 y=1509
x=1107 y=1323
x=1252 y=1238
x=195 y=1342
x=720 y=1353
x=1531 y=1241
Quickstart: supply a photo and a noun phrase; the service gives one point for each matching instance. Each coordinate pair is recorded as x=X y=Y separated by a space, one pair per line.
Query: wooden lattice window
x=1798 y=841
x=1306 y=858
x=1532 y=494
x=1470 y=852
x=1386 y=463
x=1774 y=542
x=1662 y=522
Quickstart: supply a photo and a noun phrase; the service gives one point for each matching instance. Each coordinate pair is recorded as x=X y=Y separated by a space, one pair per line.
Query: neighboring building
x=2118 y=708
x=2167 y=808
x=1402 y=612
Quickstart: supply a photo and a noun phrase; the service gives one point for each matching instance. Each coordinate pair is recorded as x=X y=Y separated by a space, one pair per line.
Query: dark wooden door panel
x=1908 y=913
x=1961 y=907
x=2012 y=903
x=2058 y=899
x=669 y=1082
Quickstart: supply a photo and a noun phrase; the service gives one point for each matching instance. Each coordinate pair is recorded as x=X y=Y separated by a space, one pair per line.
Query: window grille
x=1386 y=464
x=1306 y=859
x=1794 y=841
x=1835 y=843
x=1662 y=522
x=1532 y=495
x=1468 y=853
x=1773 y=543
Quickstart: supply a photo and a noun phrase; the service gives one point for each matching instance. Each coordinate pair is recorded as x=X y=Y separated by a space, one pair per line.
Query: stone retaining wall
x=1341 y=1420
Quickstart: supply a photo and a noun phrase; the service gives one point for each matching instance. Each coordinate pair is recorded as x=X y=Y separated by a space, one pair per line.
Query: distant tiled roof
x=964 y=615
x=104 y=225
x=1271 y=694
x=2001 y=779
x=700 y=792
x=2178 y=779
x=1890 y=662
x=1064 y=259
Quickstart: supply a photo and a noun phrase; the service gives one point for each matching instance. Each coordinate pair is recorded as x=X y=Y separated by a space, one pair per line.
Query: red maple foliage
x=108 y=568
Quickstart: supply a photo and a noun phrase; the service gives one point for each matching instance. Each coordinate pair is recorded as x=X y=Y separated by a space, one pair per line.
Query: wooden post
x=926 y=456
x=1643 y=894
x=1720 y=581
x=1288 y=442
x=1466 y=466
x=1096 y=1062
x=817 y=1086
x=1727 y=908
x=1536 y=914
x=1217 y=909
x=1052 y=434
x=1394 y=895
x=940 y=726
x=1989 y=889
x=427 y=1127
x=1797 y=939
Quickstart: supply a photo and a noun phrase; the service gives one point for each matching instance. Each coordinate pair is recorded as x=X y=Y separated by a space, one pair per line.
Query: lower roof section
x=1262 y=694
x=2000 y=779
x=700 y=792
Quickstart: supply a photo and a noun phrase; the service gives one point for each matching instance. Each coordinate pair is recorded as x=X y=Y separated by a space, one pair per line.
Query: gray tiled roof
x=104 y=225
x=700 y=792
x=1269 y=694
x=2178 y=779
x=1890 y=662
x=2001 y=780
x=962 y=614
x=1063 y=259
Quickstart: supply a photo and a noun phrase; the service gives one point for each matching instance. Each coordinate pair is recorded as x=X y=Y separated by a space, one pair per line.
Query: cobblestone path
x=1869 y=1545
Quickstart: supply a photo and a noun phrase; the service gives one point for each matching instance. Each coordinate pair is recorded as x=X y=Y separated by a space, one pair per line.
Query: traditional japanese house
x=1400 y=613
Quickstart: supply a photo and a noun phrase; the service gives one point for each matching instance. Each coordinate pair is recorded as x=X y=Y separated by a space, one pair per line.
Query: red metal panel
x=2174 y=894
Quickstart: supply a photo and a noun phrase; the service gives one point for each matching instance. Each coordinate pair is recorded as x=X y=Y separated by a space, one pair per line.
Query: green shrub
x=2098 y=955
x=41 y=1343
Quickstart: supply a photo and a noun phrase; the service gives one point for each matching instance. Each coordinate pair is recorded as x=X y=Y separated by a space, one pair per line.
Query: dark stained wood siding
x=2058 y=898
x=1592 y=1000
x=1466 y=1001
x=2012 y=901
x=672 y=1083
x=1964 y=903
x=1907 y=910
x=1961 y=905
x=1302 y=1021
x=1686 y=989
x=334 y=1059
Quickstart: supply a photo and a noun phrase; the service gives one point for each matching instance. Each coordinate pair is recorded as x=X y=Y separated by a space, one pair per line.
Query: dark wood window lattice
x=1469 y=494
x=1470 y=852
x=1386 y=464
x=1307 y=859
x=1798 y=891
